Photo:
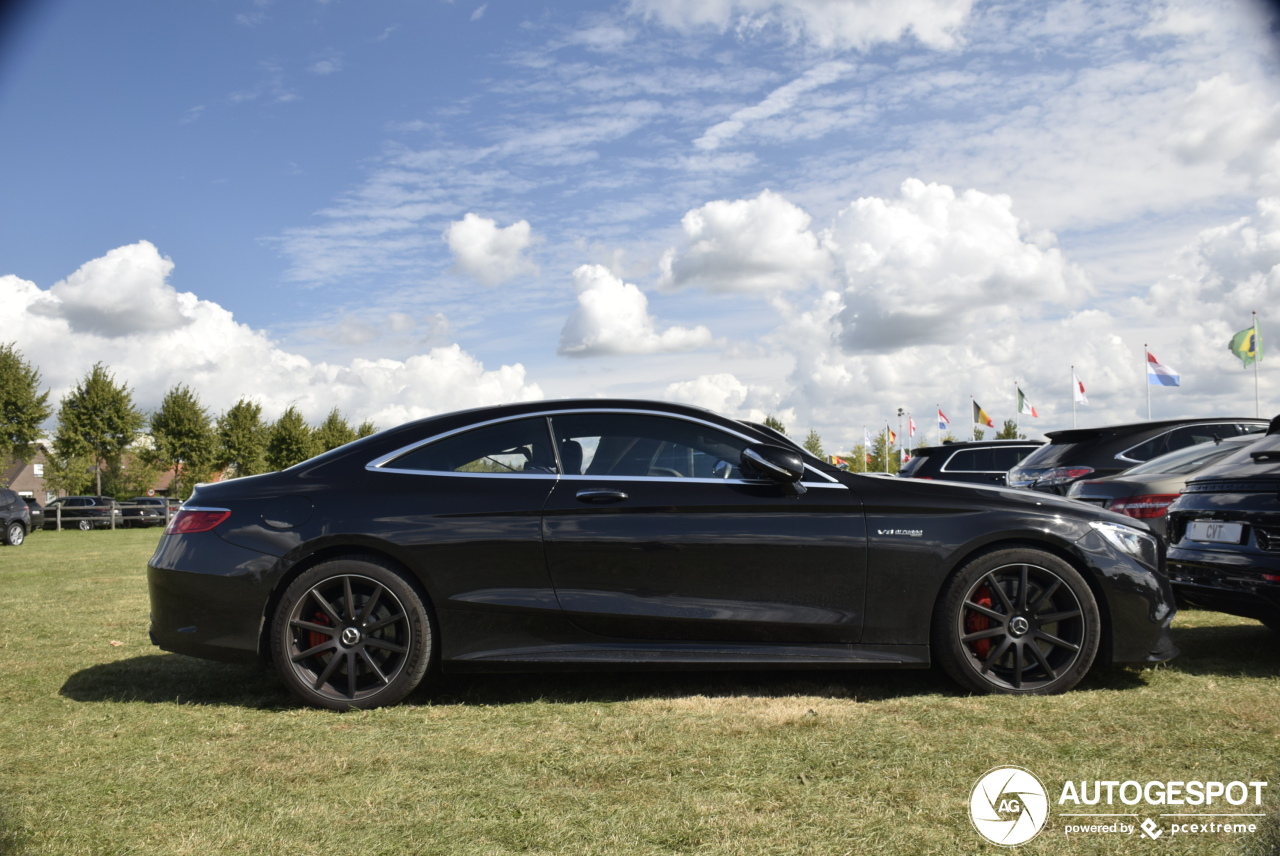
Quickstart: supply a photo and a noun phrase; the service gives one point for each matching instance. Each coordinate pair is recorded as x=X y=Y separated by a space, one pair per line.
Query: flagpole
x=1257 y=345
x=1017 y=409
x=1146 y=372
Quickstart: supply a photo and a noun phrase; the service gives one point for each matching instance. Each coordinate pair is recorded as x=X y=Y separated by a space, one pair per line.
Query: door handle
x=601 y=494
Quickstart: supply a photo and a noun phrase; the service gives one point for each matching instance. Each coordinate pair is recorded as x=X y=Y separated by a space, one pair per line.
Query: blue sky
x=821 y=210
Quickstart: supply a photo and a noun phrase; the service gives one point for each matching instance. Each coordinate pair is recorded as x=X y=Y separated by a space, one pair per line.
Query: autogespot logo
x=1008 y=806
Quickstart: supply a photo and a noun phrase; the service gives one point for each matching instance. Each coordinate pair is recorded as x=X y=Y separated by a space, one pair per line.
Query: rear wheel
x=350 y=633
x=14 y=534
x=1017 y=621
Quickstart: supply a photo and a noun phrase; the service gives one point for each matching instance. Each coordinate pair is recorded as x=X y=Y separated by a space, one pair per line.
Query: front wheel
x=1017 y=621
x=14 y=534
x=85 y=525
x=350 y=633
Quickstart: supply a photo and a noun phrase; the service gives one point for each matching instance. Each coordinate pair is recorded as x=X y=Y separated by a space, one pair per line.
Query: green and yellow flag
x=1247 y=345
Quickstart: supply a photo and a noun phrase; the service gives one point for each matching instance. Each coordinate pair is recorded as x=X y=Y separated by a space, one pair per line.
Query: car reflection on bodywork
x=614 y=534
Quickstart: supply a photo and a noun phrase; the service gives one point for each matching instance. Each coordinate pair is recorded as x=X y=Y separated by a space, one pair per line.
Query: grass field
x=110 y=746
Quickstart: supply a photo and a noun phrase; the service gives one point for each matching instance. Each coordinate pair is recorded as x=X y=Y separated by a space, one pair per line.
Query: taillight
x=190 y=520
x=1145 y=507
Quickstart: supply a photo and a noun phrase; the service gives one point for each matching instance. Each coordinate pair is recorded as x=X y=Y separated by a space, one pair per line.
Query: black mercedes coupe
x=617 y=534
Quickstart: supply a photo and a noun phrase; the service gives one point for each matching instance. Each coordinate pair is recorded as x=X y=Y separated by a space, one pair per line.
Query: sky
x=823 y=210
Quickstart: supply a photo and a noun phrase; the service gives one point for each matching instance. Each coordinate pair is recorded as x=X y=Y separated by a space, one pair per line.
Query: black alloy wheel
x=351 y=634
x=14 y=534
x=1017 y=621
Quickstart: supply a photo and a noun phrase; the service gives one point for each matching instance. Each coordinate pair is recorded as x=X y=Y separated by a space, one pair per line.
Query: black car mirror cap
x=778 y=464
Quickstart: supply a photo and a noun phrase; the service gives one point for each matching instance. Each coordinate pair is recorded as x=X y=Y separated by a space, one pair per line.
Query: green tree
x=129 y=474
x=366 y=429
x=775 y=423
x=333 y=432
x=1010 y=431
x=880 y=455
x=813 y=444
x=97 y=420
x=290 y=441
x=242 y=440
x=23 y=408
x=978 y=433
x=70 y=475
x=184 y=440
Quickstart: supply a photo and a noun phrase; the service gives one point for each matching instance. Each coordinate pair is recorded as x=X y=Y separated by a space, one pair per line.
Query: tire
x=1273 y=622
x=351 y=634
x=15 y=533
x=84 y=525
x=1017 y=621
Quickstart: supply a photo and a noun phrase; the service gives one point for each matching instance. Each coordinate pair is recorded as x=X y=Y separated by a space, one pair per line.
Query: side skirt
x=672 y=655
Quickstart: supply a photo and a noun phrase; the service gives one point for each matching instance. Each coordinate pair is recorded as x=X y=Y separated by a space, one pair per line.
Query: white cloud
x=1236 y=124
x=857 y=24
x=760 y=245
x=613 y=318
x=928 y=265
x=123 y=293
x=487 y=253
x=721 y=392
x=201 y=345
x=778 y=101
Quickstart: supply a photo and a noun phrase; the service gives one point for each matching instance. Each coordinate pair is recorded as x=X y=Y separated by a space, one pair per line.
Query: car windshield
x=1188 y=460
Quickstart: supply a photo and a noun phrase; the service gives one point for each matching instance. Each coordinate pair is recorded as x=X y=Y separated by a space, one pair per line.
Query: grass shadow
x=1249 y=650
x=175 y=679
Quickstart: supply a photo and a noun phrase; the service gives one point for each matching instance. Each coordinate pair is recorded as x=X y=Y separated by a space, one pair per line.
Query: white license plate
x=1214 y=532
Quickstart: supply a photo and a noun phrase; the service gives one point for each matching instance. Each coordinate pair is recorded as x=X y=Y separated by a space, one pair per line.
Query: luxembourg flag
x=1158 y=374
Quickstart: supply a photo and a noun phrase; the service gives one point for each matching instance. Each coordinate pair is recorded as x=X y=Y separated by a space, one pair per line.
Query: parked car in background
x=1224 y=534
x=1080 y=453
x=619 y=534
x=977 y=461
x=146 y=511
x=1147 y=490
x=83 y=512
x=15 y=518
x=37 y=512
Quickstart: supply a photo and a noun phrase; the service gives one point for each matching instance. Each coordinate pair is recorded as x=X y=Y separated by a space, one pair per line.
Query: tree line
x=104 y=444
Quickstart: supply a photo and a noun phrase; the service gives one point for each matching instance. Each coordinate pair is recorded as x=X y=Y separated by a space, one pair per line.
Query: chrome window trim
x=943 y=468
x=379 y=464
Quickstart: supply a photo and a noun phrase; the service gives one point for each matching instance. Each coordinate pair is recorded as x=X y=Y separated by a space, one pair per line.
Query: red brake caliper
x=976 y=621
x=315 y=638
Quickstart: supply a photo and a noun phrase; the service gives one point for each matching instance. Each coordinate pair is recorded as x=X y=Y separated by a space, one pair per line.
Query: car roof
x=1073 y=435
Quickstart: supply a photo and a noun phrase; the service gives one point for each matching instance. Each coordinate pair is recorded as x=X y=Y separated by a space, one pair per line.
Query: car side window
x=635 y=445
x=1005 y=459
x=970 y=461
x=513 y=447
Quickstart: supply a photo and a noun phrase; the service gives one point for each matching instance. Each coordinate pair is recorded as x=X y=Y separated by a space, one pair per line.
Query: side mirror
x=778 y=464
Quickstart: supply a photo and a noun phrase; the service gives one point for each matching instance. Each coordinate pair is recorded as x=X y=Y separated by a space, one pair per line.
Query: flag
x=1247 y=345
x=911 y=427
x=943 y=422
x=893 y=438
x=1024 y=406
x=866 y=445
x=839 y=461
x=906 y=456
x=980 y=416
x=1077 y=390
x=1158 y=374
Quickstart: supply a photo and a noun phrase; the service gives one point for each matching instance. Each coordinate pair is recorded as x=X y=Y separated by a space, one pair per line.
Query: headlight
x=1141 y=545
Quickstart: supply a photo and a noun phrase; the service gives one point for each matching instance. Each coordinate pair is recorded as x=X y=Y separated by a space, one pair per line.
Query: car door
x=652 y=532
